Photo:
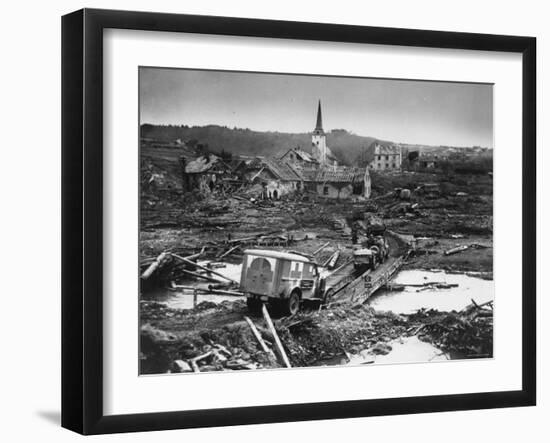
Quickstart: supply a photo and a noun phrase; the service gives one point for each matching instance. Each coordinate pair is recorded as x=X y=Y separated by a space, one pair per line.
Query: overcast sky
x=432 y=113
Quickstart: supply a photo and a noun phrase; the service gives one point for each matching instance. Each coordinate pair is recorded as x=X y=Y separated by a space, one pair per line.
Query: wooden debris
x=456 y=250
x=226 y=253
x=211 y=271
x=209 y=290
x=257 y=335
x=279 y=345
x=154 y=266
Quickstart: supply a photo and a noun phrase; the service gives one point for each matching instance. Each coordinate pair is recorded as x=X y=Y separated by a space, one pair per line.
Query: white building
x=387 y=157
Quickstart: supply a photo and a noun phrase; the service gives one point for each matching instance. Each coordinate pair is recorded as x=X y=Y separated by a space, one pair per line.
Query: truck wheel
x=291 y=305
x=254 y=305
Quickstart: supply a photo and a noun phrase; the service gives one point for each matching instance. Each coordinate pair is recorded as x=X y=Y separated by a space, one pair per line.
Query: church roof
x=319 y=125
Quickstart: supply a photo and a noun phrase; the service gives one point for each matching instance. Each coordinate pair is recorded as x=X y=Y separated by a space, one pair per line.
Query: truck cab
x=283 y=279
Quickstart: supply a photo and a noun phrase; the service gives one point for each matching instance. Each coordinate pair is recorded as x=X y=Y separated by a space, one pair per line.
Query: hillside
x=349 y=148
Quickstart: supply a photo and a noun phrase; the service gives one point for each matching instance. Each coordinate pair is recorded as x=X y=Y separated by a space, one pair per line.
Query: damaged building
x=276 y=177
x=205 y=173
x=300 y=159
x=339 y=182
x=387 y=157
x=295 y=171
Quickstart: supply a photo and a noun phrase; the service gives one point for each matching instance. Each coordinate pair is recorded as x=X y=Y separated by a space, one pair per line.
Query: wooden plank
x=228 y=252
x=278 y=343
x=257 y=335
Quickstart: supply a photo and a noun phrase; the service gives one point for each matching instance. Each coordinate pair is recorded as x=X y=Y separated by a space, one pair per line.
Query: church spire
x=319 y=125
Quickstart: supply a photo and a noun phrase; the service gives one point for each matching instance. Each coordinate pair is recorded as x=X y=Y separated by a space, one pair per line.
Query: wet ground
x=419 y=323
x=179 y=298
x=415 y=297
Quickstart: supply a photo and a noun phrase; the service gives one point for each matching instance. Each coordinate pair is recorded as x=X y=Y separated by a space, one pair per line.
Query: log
x=245 y=239
x=192 y=263
x=154 y=266
x=197 y=255
x=257 y=335
x=222 y=292
x=202 y=356
x=225 y=254
x=161 y=258
x=456 y=250
x=276 y=338
x=210 y=290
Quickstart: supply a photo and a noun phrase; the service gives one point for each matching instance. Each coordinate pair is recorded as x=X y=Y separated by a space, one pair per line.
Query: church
x=320 y=171
x=320 y=150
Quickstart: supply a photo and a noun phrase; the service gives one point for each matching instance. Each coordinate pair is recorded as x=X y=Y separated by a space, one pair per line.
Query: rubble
x=218 y=337
x=218 y=225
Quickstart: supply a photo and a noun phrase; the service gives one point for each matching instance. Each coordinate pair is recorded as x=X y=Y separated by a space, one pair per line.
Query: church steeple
x=319 y=125
x=319 y=139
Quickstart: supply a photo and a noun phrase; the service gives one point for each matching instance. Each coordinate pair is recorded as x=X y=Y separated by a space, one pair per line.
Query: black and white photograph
x=291 y=221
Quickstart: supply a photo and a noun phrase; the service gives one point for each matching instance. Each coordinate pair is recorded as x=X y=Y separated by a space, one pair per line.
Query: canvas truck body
x=279 y=277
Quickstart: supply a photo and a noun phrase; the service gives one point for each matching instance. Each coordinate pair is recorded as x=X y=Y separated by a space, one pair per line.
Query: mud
x=460 y=214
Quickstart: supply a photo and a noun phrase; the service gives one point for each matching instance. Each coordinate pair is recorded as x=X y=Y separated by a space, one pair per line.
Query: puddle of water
x=183 y=299
x=404 y=350
x=414 y=298
x=230 y=270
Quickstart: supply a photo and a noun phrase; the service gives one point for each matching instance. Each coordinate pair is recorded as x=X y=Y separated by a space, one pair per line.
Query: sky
x=403 y=111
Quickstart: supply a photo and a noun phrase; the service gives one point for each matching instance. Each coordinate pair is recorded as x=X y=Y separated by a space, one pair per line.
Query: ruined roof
x=340 y=174
x=201 y=164
x=306 y=156
x=281 y=169
x=386 y=149
x=308 y=175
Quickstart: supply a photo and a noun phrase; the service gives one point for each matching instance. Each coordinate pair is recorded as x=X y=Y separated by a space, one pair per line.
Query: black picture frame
x=82 y=218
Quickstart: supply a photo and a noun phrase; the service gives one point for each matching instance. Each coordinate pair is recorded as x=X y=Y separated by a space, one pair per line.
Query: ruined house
x=387 y=157
x=343 y=182
x=300 y=159
x=340 y=182
x=205 y=173
x=277 y=177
